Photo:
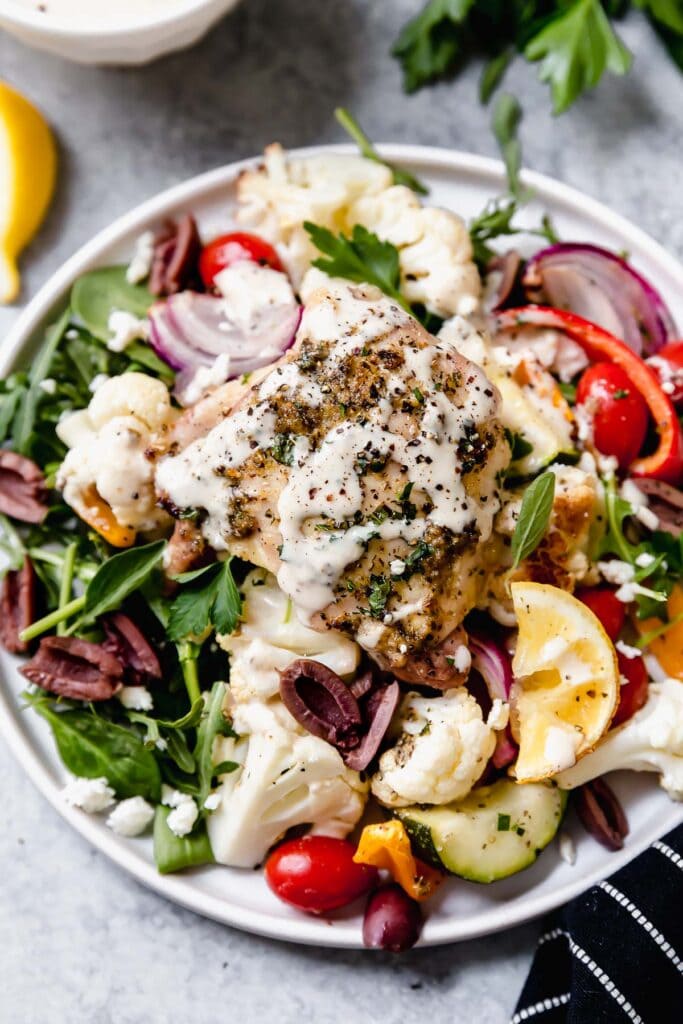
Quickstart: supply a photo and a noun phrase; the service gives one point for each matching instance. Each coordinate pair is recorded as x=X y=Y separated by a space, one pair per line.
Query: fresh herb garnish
x=519 y=446
x=209 y=598
x=362 y=258
x=503 y=822
x=378 y=595
x=506 y=119
x=352 y=128
x=282 y=449
x=534 y=516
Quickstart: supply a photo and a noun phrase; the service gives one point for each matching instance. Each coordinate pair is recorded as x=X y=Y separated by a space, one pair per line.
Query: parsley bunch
x=575 y=41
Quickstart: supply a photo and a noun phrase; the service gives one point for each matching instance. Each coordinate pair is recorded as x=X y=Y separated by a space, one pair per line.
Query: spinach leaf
x=25 y=418
x=91 y=747
x=534 y=516
x=174 y=853
x=361 y=258
x=351 y=126
x=118 y=577
x=96 y=294
x=214 y=600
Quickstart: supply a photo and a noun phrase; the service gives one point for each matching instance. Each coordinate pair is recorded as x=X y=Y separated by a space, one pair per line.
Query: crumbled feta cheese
x=397 y=567
x=584 y=424
x=644 y=559
x=632 y=493
x=171 y=797
x=182 y=818
x=141 y=263
x=499 y=715
x=161 y=744
x=136 y=698
x=462 y=659
x=567 y=848
x=627 y=650
x=388 y=619
x=626 y=593
x=206 y=377
x=131 y=817
x=124 y=328
x=98 y=380
x=607 y=464
x=91 y=795
x=48 y=385
x=560 y=747
x=647 y=517
x=616 y=571
x=212 y=802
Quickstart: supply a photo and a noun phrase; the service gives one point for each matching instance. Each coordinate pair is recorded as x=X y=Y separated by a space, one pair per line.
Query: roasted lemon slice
x=566 y=680
x=28 y=160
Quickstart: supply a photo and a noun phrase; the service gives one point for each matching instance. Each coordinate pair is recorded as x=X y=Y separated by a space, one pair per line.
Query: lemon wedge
x=566 y=680
x=28 y=161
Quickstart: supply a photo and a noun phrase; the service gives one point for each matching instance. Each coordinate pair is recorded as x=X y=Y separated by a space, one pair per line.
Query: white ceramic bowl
x=134 y=39
x=461 y=910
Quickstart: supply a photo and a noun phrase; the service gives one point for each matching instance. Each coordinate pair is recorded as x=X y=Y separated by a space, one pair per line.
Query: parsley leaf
x=668 y=13
x=378 y=595
x=363 y=258
x=433 y=42
x=534 y=516
x=576 y=48
x=212 y=601
x=497 y=221
x=352 y=128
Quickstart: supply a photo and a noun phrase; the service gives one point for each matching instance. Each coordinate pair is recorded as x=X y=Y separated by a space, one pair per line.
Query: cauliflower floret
x=651 y=741
x=337 y=192
x=108 y=443
x=286 y=778
x=443 y=747
x=270 y=637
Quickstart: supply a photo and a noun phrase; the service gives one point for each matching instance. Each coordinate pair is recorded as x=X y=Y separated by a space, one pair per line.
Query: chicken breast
x=362 y=471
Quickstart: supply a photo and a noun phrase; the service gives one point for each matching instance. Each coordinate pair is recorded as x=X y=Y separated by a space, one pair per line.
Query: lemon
x=28 y=161
x=566 y=680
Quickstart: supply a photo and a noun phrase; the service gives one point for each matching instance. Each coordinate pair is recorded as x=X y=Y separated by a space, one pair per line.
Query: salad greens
x=212 y=600
x=362 y=258
x=534 y=516
x=575 y=41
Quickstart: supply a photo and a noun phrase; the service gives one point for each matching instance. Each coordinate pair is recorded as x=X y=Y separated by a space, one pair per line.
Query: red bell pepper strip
x=666 y=463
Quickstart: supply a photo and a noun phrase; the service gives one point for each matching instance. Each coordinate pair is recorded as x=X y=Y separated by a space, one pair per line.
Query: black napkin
x=615 y=954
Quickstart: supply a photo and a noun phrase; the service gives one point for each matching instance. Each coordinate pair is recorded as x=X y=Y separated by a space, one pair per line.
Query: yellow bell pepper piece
x=668 y=648
x=387 y=846
x=97 y=513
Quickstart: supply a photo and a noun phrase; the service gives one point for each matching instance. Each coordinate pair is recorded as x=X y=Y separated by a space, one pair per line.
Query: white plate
x=240 y=898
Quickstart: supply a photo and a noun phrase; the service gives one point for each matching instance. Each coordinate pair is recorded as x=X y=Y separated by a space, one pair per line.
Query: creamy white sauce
x=325 y=486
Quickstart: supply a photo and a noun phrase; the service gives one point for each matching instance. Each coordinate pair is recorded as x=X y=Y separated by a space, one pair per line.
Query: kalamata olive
x=17 y=606
x=392 y=921
x=321 y=701
x=126 y=642
x=601 y=814
x=175 y=264
x=71 y=667
x=22 y=488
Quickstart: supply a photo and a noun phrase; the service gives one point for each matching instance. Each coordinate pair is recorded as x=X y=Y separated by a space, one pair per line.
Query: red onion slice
x=601 y=287
x=492 y=662
x=190 y=330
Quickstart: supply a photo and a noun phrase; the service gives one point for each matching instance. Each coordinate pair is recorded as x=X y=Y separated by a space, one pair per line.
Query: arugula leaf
x=215 y=601
x=534 y=516
x=506 y=118
x=96 y=294
x=24 y=421
x=433 y=42
x=91 y=747
x=576 y=48
x=175 y=853
x=351 y=126
x=363 y=258
x=497 y=221
x=119 y=576
x=213 y=724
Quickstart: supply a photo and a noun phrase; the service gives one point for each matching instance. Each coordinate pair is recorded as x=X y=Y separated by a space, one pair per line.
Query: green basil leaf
x=534 y=516
x=175 y=853
x=95 y=295
x=92 y=747
x=118 y=577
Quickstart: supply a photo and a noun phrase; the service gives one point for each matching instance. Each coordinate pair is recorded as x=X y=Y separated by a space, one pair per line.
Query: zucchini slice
x=494 y=832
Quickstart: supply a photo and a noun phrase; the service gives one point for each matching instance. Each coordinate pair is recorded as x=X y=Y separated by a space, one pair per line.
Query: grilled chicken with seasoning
x=362 y=471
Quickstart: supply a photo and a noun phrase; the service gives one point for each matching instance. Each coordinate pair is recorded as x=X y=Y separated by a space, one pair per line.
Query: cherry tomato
x=232 y=248
x=668 y=365
x=317 y=873
x=618 y=411
x=605 y=606
x=634 y=694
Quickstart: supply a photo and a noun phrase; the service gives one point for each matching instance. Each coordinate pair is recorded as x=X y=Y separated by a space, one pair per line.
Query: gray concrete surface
x=81 y=942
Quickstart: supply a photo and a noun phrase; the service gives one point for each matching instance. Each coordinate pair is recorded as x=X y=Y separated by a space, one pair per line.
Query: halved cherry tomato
x=668 y=365
x=634 y=694
x=228 y=249
x=617 y=409
x=318 y=873
x=604 y=604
